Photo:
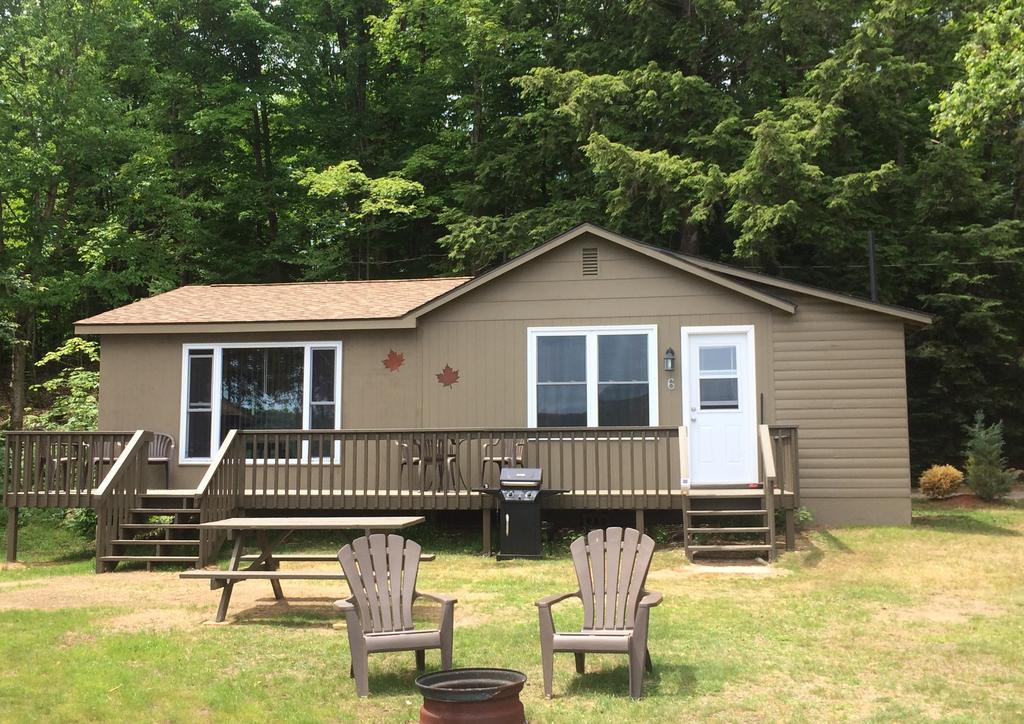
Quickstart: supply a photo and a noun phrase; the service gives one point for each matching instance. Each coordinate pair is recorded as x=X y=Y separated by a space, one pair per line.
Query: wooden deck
x=362 y=470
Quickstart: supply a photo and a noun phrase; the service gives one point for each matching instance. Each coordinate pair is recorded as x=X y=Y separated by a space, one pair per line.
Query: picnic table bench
x=265 y=564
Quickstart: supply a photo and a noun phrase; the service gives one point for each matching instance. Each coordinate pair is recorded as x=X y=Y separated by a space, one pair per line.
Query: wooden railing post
x=12 y=535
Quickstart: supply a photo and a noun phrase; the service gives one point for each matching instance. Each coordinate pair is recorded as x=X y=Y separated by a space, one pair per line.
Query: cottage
x=616 y=366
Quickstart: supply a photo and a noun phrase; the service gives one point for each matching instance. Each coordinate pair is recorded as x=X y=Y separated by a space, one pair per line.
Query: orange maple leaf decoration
x=448 y=376
x=394 y=360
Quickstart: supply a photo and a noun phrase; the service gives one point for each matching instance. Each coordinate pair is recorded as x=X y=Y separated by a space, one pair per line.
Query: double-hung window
x=258 y=386
x=592 y=376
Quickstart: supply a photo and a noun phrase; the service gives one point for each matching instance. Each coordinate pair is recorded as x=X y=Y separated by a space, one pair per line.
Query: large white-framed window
x=594 y=376
x=257 y=386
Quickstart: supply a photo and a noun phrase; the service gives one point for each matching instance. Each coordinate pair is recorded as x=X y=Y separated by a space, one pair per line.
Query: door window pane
x=562 y=405
x=622 y=358
x=561 y=359
x=623 y=405
x=719 y=394
x=718 y=359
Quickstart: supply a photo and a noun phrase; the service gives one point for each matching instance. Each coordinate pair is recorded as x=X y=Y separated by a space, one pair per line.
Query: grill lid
x=520 y=477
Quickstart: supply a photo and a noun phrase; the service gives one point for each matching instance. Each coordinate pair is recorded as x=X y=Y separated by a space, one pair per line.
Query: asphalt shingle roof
x=302 y=301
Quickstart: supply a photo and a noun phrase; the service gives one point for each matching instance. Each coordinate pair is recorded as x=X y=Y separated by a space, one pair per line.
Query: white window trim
x=216 y=382
x=591 y=333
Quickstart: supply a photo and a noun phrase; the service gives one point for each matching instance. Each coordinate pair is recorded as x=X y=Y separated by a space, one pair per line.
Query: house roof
x=738 y=280
x=263 y=303
x=398 y=303
x=910 y=315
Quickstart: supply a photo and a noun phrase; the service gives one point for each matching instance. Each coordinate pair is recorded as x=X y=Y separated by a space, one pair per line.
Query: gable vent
x=590 y=262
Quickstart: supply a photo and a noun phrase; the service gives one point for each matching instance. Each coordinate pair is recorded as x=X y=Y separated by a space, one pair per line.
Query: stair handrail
x=786 y=441
x=219 y=494
x=120 y=491
x=768 y=469
x=767 y=455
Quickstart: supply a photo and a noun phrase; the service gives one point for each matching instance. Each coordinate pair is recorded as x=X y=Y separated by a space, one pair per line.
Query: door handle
x=506 y=523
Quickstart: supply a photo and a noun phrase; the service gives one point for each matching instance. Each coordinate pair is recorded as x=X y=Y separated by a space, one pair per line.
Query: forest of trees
x=146 y=144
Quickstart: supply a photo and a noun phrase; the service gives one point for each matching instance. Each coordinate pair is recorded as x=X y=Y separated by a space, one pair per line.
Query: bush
x=987 y=475
x=939 y=481
x=79 y=520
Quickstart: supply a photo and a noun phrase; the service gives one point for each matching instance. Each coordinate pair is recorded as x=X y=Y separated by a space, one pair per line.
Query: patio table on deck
x=265 y=564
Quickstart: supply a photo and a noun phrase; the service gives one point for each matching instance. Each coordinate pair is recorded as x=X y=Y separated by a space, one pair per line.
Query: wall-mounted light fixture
x=670 y=360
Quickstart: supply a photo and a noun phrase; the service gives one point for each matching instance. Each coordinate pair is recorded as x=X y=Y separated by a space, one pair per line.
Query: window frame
x=217 y=382
x=591 y=333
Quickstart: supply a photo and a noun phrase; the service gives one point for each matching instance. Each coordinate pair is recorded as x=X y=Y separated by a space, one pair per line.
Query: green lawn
x=919 y=623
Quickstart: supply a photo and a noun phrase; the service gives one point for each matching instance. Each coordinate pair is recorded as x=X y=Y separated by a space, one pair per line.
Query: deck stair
x=163 y=529
x=729 y=521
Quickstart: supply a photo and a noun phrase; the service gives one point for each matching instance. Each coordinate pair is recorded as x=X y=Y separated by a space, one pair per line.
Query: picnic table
x=265 y=564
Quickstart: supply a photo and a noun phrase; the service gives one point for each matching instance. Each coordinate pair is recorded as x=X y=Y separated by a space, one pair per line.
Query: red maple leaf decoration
x=394 y=360
x=448 y=376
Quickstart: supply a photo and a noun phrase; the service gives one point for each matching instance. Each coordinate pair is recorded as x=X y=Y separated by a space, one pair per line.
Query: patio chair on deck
x=381 y=573
x=160 y=451
x=502 y=453
x=436 y=455
x=611 y=567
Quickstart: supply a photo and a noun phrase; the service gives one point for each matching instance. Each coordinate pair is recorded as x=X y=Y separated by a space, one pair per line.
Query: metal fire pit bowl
x=482 y=696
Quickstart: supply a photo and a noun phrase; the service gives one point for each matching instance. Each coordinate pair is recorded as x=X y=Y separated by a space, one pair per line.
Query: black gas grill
x=519 y=495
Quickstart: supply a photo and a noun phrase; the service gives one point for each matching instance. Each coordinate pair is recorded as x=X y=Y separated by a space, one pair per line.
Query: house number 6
x=671 y=383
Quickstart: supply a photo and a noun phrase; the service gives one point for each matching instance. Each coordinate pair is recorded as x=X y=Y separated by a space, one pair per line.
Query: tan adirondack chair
x=611 y=567
x=381 y=572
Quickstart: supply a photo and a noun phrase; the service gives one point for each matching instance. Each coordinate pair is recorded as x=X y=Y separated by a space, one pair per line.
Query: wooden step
x=726 y=512
x=160 y=526
x=170 y=493
x=166 y=511
x=732 y=529
x=734 y=548
x=725 y=493
x=150 y=559
x=154 y=542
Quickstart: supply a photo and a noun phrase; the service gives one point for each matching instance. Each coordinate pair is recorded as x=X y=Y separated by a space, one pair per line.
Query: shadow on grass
x=316 y=612
x=403 y=682
x=959 y=523
x=817 y=554
x=616 y=681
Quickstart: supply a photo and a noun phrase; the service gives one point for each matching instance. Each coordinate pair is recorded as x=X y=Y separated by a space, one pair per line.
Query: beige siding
x=140 y=382
x=836 y=371
x=484 y=334
x=840 y=375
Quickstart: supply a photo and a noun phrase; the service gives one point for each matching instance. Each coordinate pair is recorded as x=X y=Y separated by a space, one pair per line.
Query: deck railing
x=119 y=492
x=422 y=469
x=219 y=494
x=57 y=469
x=787 y=460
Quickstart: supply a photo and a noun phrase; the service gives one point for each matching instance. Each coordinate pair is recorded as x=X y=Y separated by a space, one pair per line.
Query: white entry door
x=719 y=404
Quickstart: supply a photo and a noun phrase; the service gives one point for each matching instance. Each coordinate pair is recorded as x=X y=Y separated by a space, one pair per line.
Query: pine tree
x=986 y=467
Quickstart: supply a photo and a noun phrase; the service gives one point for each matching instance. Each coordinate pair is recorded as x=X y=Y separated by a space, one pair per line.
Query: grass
x=869 y=624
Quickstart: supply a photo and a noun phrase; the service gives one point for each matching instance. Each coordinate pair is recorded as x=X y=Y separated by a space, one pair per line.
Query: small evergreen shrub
x=987 y=475
x=940 y=481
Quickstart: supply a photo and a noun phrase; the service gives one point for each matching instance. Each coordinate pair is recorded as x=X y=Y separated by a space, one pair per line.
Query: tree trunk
x=689 y=240
x=19 y=369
